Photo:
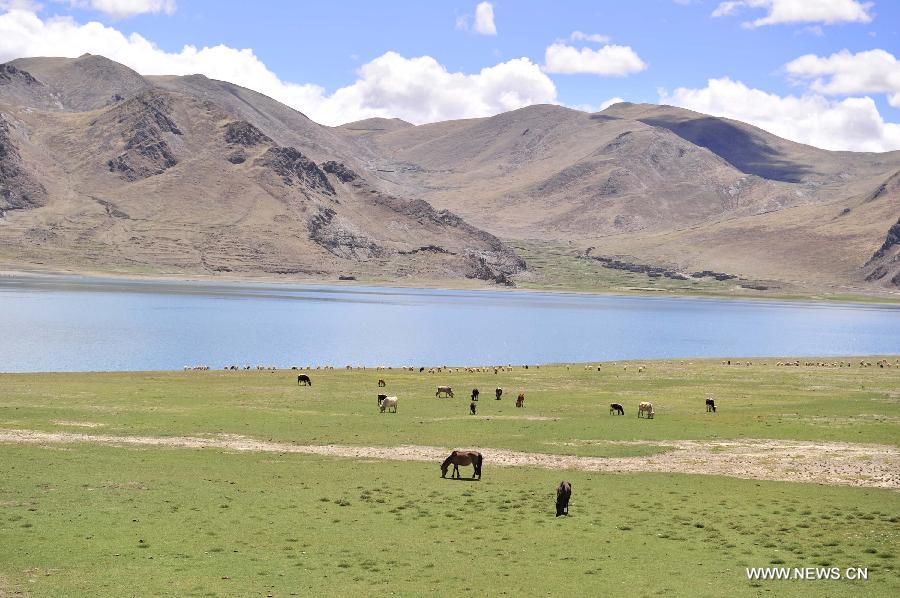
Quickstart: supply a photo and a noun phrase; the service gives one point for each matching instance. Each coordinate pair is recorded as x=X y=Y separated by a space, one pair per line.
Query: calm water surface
x=73 y=324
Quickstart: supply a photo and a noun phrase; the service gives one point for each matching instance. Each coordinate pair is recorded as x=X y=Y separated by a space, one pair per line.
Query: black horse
x=498 y=393
x=474 y=394
x=710 y=405
x=304 y=379
x=381 y=398
x=473 y=406
x=616 y=409
x=563 y=494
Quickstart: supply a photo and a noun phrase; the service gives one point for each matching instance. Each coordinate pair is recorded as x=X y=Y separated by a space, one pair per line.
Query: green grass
x=81 y=519
x=555 y=267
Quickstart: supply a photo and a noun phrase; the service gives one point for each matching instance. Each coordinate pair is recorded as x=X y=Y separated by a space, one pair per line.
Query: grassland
x=92 y=519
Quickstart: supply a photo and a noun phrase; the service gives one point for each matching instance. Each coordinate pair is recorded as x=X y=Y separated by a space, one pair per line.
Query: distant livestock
x=475 y=394
x=498 y=393
x=381 y=383
x=381 y=398
x=616 y=409
x=444 y=390
x=520 y=400
x=710 y=406
x=646 y=407
x=473 y=407
x=563 y=494
x=304 y=380
x=389 y=404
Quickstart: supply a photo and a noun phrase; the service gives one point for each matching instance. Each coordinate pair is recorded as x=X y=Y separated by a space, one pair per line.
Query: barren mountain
x=653 y=185
x=103 y=169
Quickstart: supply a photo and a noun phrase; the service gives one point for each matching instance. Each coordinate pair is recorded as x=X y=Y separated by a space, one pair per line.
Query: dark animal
x=304 y=379
x=463 y=458
x=381 y=384
x=616 y=409
x=444 y=390
x=472 y=407
x=563 y=494
x=475 y=394
x=498 y=393
x=520 y=400
x=710 y=405
x=422 y=369
x=380 y=398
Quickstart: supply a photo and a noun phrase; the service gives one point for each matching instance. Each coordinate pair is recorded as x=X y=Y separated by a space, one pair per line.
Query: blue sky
x=340 y=61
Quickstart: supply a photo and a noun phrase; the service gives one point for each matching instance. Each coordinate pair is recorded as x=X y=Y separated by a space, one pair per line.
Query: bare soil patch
x=836 y=463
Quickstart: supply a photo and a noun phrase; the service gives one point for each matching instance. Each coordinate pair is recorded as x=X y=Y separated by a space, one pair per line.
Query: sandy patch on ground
x=838 y=463
x=65 y=422
x=533 y=418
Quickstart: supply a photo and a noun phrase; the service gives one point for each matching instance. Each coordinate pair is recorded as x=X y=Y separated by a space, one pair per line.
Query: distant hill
x=102 y=169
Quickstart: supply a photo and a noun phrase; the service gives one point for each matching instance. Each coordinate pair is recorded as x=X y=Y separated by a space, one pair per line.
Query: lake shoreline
x=90 y=277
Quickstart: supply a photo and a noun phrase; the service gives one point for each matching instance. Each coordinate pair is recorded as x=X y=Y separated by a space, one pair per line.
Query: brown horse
x=520 y=401
x=463 y=458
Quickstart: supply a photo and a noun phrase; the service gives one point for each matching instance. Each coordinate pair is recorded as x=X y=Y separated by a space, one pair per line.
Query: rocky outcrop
x=294 y=167
x=18 y=189
x=9 y=73
x=243 y=133
x=327 y=231
x=145 y=120
x=892 y=239
x=885 y=262
x=340 y=170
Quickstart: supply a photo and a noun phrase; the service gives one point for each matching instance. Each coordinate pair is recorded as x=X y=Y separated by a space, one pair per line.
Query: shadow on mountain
x=744 y=151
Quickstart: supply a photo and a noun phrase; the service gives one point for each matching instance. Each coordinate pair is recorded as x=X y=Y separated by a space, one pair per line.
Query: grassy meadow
x=88 y=519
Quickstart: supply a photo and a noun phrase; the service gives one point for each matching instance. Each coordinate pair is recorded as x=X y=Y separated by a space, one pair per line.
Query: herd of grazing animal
x=457 y=458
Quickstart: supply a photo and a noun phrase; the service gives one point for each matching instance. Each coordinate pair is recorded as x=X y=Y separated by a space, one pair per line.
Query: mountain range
x=105 y=170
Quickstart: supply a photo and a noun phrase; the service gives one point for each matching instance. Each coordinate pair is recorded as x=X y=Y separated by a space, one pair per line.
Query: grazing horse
x=381 y=398
x=710 y=405
x=616 y=409
x=381 y=383
x=463 y=458
x=475 y=394
x=444 y=390
x=563 y=494
x=303 y=378
x=520 y=400
x=646 y=407
x=472 y=407
x=498 y=393
x=389 y=403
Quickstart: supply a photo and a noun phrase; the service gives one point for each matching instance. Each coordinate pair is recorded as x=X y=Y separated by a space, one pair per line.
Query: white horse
x=389 y=403
x=646 y=407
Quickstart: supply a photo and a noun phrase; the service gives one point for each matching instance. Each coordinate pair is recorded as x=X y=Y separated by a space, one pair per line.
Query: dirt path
x=873 y=466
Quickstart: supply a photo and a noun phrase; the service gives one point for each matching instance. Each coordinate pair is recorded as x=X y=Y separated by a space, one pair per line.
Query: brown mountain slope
x=656 y=184
x=101 y=168
x=170 y=181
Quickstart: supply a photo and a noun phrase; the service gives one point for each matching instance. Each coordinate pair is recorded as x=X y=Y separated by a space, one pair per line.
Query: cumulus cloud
x=844 y=73
x=122 y=9
x=416 y=89
x=484 y=19
x=589 y=37
x=849 y=124
x=611 y=60
x=828 y=12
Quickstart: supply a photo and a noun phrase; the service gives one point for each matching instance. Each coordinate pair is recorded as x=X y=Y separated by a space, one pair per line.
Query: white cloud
x=849 y=124
x=121 y=9
x=608 y=60
x=415 y=89
x=844 y=73
x=589 y=37
x=610 y=102
x=828 y=12
x=484 y=19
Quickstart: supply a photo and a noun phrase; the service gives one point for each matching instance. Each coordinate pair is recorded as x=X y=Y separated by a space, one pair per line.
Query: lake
x=88 y=324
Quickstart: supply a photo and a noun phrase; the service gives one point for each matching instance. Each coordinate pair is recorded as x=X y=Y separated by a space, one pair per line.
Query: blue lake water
x=76 y=324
